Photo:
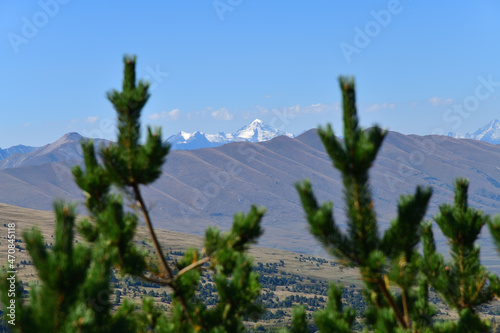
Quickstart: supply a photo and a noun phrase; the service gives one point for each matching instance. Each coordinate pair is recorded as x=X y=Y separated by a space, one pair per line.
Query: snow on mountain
x=185 y=135
x=256 y=131
x=220 y=137
x=488 y=133
x=68 y=146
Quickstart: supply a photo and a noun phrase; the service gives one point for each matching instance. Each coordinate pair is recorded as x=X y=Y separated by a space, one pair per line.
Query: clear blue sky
x=418 y=64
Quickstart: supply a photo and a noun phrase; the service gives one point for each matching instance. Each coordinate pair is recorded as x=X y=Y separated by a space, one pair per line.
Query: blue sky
x=215 y=65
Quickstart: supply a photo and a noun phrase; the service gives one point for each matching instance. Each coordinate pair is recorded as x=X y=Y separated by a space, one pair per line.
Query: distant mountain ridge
x=19 y=149
x=205 y=187
x=488 y=133
x=68 y=148
x=256 y=131
x=65 y=149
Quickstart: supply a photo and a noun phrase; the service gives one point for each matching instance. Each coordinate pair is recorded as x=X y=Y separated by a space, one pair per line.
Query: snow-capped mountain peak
x=256 y=131
x=489 y=133
x=185 y=135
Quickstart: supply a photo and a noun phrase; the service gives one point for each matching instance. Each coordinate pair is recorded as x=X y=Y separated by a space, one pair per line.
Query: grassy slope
x=304 y=266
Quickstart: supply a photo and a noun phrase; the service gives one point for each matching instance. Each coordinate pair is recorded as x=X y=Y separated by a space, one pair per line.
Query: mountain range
x=488 y=133
x=256 y=131
x=207 y=186
x=19 y=149
x=66 y=148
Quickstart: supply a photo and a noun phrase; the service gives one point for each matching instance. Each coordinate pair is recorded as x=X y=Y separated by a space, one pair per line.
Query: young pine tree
x=395 y=275
x=73 y=293
x=74 y=289
x=463 y=283
x=75 y=280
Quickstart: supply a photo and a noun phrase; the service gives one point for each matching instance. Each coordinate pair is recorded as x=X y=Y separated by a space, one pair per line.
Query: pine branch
x=399 y=316
x=192 y=266
x=161 y=258
x=406 y=313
